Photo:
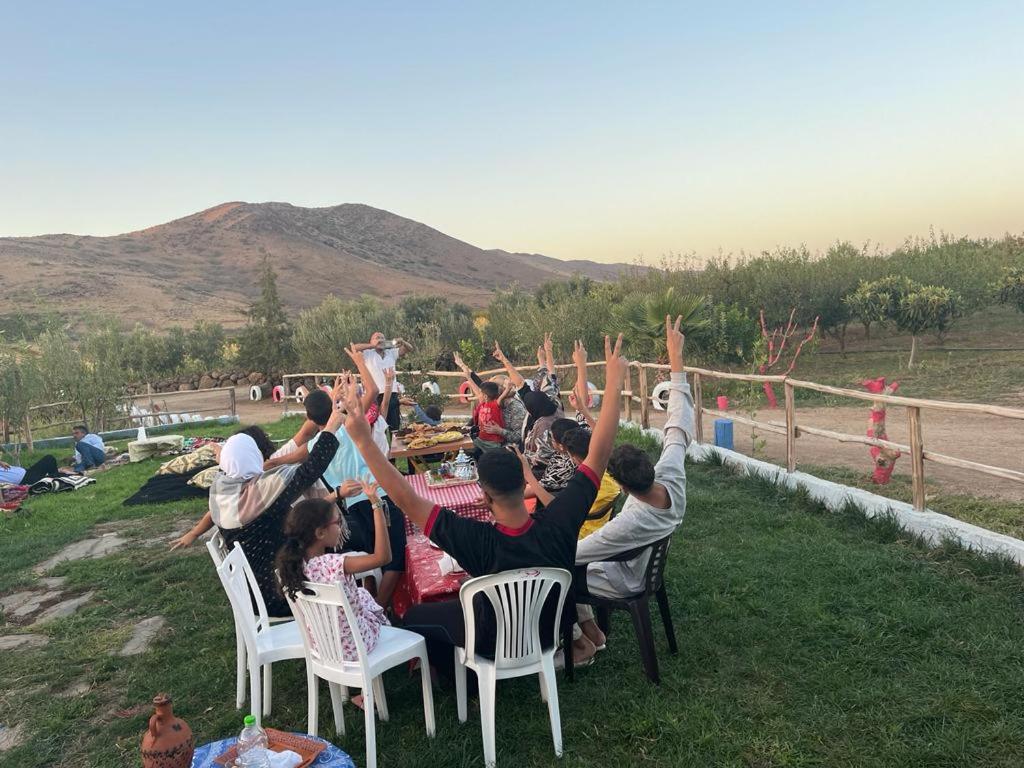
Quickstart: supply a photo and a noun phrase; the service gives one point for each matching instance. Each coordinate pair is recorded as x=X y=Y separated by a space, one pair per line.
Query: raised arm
x=579 y=357
x=549 y=354
x=404 y=347
x=389 y=388
x=513 y=374
x=381 y=554
x=533 y=486
x=679 y=424
x=370 y=390
x=474 y=384
x=415 y=507
x=603 y=439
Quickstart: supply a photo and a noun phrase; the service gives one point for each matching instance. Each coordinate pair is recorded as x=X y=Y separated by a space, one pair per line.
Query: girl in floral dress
x=315 y=529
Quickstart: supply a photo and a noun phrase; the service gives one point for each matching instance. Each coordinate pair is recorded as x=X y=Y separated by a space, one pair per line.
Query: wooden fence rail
x=790 y=428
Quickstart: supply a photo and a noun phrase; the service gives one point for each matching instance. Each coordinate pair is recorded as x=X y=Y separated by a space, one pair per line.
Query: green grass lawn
x=807 y=638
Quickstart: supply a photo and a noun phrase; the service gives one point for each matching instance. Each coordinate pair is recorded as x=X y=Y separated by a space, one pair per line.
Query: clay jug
x=168 y=742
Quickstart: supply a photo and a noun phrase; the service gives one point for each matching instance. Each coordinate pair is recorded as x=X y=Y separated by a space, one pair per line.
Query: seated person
x=488 y=419
x=315 y=530
x=89 y=449
x=15 y=475
x=431 y=415
x=513 y=412
x=656 y=499
x=515 y=540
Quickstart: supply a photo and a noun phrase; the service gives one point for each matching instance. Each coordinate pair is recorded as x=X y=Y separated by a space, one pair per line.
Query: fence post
x=28 y=434
x=698 y=407
x=629 y=397
x=916 y=457
x=790 y=428
x=231 y=391
x=645 y=401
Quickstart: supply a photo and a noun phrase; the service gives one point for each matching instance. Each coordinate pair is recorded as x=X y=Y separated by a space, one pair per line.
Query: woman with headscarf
x=249 y=505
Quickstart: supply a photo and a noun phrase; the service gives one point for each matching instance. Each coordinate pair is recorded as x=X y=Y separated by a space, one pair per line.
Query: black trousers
x=394 y=414
x=359 y=517
x=45 y=467
x=443 y=627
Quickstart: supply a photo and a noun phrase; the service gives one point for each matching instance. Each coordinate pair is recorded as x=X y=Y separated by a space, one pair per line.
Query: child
x=488 y=419
x=315 y=526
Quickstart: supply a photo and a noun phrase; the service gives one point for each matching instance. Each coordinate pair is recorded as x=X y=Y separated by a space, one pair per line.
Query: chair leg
x=570 y=668
x=371 y=727
x=604 y=620
x=255 y=691
x=312 y=702
x=666 y=619
x=641 y=614
x=550 y=685
x=428 y=695
x=460 y=688
x=268 y=688
x=240 y=673
x=543 y=687
x=382 y=702
x=338 y=705
x=487 y=682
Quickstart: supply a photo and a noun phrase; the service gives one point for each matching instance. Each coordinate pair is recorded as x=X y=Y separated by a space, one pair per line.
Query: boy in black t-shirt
x=515 y=540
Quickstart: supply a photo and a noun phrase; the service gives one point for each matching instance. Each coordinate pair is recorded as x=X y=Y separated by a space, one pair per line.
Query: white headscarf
x=240 y=458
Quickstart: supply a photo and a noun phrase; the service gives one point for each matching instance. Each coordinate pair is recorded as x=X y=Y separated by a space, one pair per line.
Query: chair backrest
x=655 y=575
x=242 y=589
x=217 y=548
x=518 y=599
x=317 y=615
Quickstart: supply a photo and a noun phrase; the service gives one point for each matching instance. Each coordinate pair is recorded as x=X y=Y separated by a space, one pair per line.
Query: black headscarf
x=538 y=405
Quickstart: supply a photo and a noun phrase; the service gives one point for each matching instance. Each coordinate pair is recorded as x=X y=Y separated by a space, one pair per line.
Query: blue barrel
x=723 y=433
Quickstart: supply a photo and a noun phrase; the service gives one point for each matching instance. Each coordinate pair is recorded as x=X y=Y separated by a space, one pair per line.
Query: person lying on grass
x=516 y=540
x=656 y=499
x=315 y=530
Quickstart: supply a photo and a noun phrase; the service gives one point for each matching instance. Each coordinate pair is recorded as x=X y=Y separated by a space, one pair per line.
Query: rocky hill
x=204 y=266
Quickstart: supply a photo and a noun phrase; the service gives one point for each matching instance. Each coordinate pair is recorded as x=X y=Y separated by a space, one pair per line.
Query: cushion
x=204 y=479
x=203 y=457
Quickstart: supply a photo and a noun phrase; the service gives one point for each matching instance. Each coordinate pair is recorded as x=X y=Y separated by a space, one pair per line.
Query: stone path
x=91 y=548
x=144 y=634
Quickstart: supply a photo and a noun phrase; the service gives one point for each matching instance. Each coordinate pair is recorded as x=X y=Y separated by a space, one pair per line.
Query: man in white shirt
x=656 y=502
x=89 y=449
x=381 y=354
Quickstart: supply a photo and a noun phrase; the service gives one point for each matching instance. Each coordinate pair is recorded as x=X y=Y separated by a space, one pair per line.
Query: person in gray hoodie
x=655 y=504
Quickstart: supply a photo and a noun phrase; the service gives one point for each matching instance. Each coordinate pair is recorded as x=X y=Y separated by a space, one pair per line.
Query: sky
x=574 y=129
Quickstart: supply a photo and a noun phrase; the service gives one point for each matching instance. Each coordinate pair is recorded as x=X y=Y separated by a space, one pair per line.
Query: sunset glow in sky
x=577 y=130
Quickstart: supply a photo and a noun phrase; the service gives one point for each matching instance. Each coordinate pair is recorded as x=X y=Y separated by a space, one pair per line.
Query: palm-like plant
x=641 y=316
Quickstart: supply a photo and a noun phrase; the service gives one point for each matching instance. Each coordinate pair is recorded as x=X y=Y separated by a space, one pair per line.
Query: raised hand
x=540 y=357
x=337 y=389
x=370 y=487
x=615 y=364
x=549 y=346
x=675 y=342
x=349 y=488
x=459 y=363
x=579 y=353
x=389 y=376
x=498 y=354
x=351 y=409
x=354 y=355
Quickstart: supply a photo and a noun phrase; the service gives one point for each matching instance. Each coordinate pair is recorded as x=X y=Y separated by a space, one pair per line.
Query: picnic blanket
x=169 y=487
x=60 y=484
x=11 y=496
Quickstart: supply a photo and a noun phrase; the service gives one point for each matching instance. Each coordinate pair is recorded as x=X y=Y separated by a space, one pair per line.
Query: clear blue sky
x=579 y=130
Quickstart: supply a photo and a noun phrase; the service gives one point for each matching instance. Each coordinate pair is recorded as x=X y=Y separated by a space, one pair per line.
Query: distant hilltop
x=205 y=266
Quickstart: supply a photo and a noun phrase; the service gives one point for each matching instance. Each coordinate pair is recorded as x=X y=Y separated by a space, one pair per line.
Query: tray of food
x=436 y=478
x=278 y=741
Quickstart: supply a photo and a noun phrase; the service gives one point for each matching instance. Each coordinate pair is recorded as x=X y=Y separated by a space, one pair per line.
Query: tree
x=772 y=347
x=266 y=341
x=19 y=381
x=1011 y=288
x=642 y=318
x=926 y=308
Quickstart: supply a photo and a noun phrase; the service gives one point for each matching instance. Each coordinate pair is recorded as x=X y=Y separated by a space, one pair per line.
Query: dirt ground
x=986 y=439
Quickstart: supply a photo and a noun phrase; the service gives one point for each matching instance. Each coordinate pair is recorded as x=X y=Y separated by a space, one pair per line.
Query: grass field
x=807 y=639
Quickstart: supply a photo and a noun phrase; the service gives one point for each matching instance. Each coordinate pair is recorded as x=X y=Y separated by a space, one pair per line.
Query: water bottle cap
x=249 y=720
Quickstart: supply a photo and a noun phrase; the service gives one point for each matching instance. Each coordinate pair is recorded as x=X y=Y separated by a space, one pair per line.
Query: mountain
x=205 y=266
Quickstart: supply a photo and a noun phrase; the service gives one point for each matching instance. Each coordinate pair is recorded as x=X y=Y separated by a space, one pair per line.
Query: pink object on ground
x=723 y=403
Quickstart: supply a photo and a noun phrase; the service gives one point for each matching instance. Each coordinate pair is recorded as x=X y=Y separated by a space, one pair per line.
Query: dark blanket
x=161 y=488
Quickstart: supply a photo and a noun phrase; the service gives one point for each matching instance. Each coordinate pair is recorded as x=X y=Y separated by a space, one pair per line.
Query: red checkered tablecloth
x=465 y=500
x=422 y=581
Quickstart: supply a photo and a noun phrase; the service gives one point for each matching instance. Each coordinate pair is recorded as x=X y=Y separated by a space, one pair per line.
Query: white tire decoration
x=255 y=393
x=301 y=393
x=277 y=394
x=659 y=397
x=326 y=389
x=431 y=386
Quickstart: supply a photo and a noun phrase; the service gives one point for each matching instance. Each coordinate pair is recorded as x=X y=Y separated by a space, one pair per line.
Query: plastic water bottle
x=252 y=745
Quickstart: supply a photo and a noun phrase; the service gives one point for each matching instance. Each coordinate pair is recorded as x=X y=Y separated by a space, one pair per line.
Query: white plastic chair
x=517 y=598
x=317 y=615
x=264 y=642
x=218 y=550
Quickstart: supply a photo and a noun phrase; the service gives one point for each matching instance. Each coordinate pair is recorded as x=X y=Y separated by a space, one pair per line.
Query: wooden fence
x=641 y=396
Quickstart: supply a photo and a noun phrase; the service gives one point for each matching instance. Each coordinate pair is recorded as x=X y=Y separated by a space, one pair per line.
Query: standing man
x=381 y=354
